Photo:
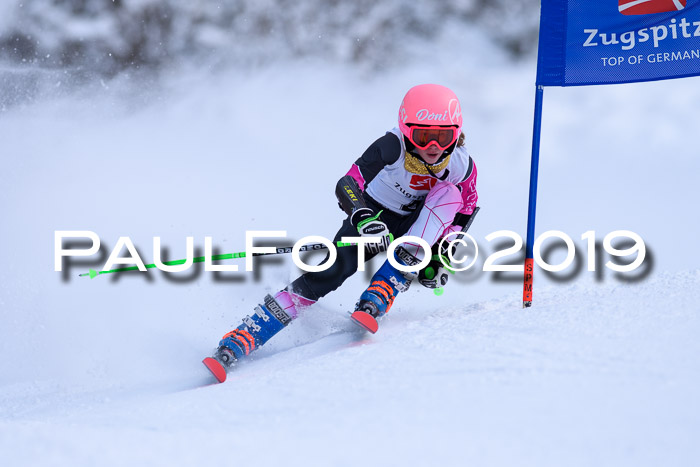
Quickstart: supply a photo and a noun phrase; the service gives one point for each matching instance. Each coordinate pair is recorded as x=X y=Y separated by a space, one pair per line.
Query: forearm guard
x=349 y=195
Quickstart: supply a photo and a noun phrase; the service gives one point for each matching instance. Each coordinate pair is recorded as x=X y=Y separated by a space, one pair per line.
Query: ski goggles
x=424 y=136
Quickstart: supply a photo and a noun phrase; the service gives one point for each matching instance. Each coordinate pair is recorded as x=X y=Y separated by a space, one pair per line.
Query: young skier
x=417 y=180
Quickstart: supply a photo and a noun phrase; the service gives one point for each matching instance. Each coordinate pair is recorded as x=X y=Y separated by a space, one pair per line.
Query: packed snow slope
x=601 y=371
x=596 y=375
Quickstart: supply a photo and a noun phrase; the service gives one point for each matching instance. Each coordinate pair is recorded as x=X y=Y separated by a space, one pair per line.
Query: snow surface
x=107 y=371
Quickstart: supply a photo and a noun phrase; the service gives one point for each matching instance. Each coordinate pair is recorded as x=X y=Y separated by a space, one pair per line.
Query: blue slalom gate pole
x=532 y=203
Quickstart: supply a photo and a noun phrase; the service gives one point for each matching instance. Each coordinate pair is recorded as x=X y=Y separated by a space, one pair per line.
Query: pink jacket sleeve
x=354 y=172
x=469 y=195
x=469 y=199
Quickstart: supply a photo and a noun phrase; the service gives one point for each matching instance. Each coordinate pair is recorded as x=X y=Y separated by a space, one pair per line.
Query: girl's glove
x=368 y=223
x=435 y=274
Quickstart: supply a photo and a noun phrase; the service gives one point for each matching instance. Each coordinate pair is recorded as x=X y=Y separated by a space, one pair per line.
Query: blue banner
x=586 y=42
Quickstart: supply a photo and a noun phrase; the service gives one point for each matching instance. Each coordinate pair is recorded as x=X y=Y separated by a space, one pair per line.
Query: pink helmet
x=430 y=105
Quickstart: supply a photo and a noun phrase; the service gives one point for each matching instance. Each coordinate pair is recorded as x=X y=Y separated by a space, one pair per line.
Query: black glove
x=368 y=223
x=435 y=274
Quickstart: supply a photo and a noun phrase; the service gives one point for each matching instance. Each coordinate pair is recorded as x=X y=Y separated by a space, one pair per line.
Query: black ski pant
x=314 y=285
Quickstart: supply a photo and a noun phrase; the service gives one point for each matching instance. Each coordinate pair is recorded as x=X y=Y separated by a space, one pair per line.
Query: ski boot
x=268 y=319
x=386 y=283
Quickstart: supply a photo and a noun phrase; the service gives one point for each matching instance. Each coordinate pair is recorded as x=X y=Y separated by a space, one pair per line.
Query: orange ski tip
x=216 y=368
x=365 y=320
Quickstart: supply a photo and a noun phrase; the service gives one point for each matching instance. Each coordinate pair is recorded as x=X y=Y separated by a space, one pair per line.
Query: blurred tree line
x=109 y=36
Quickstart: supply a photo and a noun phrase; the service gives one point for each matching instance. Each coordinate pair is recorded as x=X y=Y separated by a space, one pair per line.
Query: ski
x=365 y=321
x=219 y=367
x=216 y=368
x=220 y=363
